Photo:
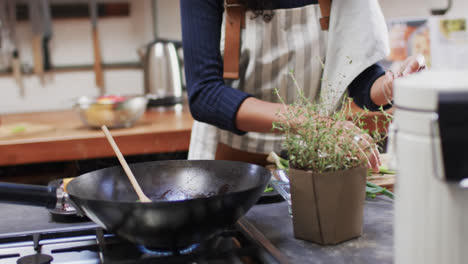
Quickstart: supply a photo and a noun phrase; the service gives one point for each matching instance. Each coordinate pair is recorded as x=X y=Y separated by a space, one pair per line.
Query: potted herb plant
x=327 y=170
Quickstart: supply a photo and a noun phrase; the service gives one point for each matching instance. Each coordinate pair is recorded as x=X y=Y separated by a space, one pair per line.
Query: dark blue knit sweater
x=212 y=101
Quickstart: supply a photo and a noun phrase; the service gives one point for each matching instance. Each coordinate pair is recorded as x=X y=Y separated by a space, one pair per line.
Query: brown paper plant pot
x=327 y=208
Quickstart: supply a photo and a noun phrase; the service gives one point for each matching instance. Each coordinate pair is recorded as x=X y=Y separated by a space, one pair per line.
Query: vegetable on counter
x=383 y=170
x=18 y=129
x=278 y=161
x=373 y=189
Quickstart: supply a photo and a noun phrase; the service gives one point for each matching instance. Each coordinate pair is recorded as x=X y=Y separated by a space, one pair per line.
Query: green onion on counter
x=373 y=189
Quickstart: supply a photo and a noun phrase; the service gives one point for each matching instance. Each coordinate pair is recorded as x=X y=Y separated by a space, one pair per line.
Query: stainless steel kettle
x=162 y=73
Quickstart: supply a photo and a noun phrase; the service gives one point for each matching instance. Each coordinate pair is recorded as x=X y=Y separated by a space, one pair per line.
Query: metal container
x=162 y=73
x=431 y=150
x=95 y=113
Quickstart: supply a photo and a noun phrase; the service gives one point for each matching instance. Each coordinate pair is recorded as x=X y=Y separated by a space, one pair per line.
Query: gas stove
x=86 y=243
x=94 y=245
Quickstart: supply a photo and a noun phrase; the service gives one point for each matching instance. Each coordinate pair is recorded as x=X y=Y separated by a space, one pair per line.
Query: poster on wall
x=407 y=36
x=449 y=43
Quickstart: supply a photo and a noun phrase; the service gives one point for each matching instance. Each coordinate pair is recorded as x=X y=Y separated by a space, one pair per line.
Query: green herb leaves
x=321 y=141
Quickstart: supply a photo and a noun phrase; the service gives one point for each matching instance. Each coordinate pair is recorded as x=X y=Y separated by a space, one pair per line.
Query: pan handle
x=28 y=194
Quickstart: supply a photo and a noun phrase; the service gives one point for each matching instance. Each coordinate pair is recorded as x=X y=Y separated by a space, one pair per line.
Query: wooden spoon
x=131 y=177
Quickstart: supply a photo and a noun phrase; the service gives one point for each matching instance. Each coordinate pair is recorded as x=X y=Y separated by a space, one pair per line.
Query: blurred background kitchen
x=46 y=65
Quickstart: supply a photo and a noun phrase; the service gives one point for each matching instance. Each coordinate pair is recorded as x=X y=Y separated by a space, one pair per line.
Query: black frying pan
x=192 y=200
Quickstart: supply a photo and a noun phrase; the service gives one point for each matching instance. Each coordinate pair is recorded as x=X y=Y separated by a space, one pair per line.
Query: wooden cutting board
x=21 y=130
x=383 y=180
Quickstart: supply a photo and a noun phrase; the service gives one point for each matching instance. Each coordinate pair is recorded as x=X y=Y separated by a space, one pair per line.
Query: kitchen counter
x=374 y=246
x=62 y=136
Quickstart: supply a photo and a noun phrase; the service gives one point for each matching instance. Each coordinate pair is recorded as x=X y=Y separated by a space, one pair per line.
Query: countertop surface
x=374 y=246
x=62 y=136
x=273 y=220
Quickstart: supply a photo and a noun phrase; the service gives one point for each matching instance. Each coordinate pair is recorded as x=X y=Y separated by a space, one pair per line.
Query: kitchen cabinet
x=68 y=139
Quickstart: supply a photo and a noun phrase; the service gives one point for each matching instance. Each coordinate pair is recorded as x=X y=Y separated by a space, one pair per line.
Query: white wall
x=168 y=19
x=420 y=8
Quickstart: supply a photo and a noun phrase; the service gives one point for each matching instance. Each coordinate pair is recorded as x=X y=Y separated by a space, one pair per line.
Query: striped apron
x=293 y=42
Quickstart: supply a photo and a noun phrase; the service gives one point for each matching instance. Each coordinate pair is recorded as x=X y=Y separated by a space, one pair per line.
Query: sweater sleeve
x=360 y=87
x=210 y=99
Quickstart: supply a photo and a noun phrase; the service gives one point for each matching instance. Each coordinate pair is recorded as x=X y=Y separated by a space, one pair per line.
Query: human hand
x=412 y=64
x=364 y=143
x=382 y=90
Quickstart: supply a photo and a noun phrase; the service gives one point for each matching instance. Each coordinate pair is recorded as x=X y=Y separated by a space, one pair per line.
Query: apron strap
x=325 y=8
x=235 y=13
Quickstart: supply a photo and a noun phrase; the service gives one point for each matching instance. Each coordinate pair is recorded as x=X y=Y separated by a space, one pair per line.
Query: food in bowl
x=110 y=99
x=112 y=111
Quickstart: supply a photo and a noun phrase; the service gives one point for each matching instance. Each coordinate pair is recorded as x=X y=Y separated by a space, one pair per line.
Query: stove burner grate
x=35 y=259
x=94 y=245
